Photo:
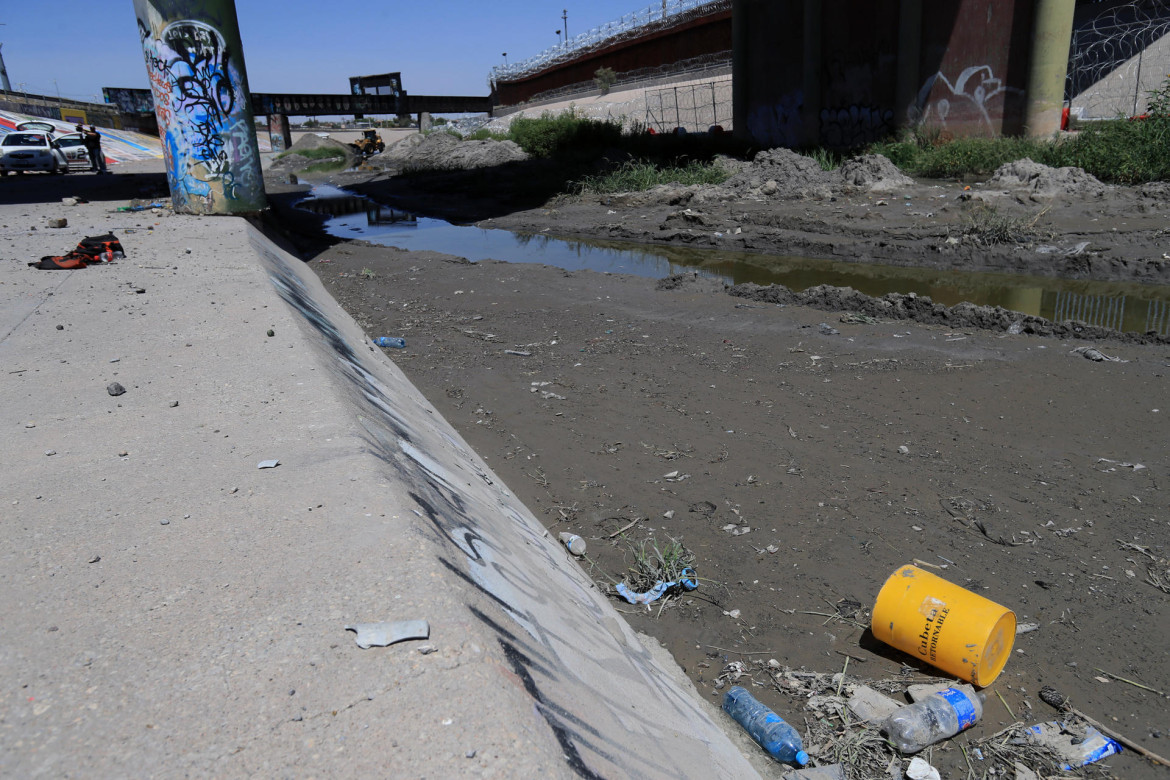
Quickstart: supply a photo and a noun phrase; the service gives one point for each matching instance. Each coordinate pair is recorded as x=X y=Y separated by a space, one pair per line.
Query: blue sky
x=442 y=47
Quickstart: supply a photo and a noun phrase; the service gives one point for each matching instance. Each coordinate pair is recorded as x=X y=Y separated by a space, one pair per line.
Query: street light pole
x=565 y=25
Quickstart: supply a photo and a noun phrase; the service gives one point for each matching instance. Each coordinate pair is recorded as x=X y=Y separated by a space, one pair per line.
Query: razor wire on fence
x=714 y=64
x=630 y=26
x=693 y=107
x=1117 y=58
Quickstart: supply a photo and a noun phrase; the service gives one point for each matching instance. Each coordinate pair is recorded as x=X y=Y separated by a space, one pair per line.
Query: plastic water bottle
x=933 y=718
x=765 y=727
x=575 y=544
x=390 y=341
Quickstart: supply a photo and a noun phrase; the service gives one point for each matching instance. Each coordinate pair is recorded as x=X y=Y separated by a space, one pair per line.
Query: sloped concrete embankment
x=172 y=609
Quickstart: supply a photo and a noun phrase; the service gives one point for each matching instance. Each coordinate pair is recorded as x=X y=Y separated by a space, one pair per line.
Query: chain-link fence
x=1117 y=58
x=694 y=107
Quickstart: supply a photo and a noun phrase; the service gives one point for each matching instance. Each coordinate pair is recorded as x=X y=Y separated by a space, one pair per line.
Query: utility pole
x=565 y=24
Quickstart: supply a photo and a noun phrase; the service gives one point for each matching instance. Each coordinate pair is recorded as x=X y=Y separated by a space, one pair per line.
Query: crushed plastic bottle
x=390 y=341
x=933 y=719
x=766 y=727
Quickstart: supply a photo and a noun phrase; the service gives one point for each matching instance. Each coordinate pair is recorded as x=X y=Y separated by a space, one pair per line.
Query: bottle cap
x=802 y=758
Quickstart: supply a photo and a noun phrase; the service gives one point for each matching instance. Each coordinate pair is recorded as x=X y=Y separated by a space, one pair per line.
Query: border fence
x=1117 y=58
x=633 y=25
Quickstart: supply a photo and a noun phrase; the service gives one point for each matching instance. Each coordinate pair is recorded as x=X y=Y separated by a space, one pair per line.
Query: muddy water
x=1120 y=306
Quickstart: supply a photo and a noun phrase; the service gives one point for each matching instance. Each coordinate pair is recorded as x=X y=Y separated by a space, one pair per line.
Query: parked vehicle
x=72 y=145
x=32 y=148
x=22 y=152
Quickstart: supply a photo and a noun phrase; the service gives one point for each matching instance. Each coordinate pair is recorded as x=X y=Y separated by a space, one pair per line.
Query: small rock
x=69 y=201
x=164 y=521
x=60 y=327
x=187 y=250
x=115 y=389
x=904 y=450
x=271 y=333
x=470 y=753
x=140 y=290
x=58 y=222
x=426 y=649
x=123 y=453
x=30 y=425
x=50 y=452
x=95 y=559
x=174 y=404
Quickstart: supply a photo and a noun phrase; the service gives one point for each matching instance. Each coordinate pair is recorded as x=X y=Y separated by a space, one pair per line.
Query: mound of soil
x=1045 y=181
x=444 y=152
x=873 y=172
x=782 y=174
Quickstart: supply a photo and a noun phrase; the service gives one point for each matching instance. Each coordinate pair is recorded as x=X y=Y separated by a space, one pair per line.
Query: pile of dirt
x=446 y=152
x=293 y=159
x=783 y=174
x=1045 y=181
x=873 y=172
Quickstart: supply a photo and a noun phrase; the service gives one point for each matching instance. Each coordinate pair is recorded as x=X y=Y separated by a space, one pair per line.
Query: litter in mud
x=687 y=581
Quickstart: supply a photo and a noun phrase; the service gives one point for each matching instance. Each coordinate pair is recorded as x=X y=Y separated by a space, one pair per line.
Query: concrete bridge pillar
x=279 y=132
x=424 y=122
x=1051 y=38
x=195 y=62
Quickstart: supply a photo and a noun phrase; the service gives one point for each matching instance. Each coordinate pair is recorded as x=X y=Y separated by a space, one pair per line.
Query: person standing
x=93 y=146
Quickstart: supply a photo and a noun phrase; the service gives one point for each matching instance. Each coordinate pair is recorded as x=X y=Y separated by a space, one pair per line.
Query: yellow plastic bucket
x=944 y=625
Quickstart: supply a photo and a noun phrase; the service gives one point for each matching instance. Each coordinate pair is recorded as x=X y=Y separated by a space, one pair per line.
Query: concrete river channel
x=1121 y=306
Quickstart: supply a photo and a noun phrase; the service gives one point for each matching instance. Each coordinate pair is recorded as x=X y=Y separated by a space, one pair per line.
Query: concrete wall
x=706 y=35
x=610 y=707
x=850 y=73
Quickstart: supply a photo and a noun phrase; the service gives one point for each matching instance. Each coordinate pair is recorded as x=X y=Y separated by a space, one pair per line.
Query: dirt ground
x=803 y=452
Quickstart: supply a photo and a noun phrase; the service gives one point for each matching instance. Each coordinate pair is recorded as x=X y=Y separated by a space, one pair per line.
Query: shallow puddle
x=1121 y=306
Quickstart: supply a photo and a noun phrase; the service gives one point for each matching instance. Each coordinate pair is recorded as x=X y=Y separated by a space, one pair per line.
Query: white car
x=72 y=145
x=31 y=148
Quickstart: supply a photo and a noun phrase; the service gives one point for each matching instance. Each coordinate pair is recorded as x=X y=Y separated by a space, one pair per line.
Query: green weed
x=638 y=175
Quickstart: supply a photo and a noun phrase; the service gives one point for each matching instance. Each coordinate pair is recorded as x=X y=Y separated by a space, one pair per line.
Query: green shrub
x=483 y=134
x=550 y=135
x=604 y=78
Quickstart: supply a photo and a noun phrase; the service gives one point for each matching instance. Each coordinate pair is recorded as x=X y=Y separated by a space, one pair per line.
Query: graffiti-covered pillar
x=279 y=132
x=195 y=62
x=1051 y=37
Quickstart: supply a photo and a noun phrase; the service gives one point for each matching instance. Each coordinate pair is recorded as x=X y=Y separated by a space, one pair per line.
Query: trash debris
x=1055 y=698
x=869 y=705
x=1096 y=354
x=921 y=770
x=518 y=352
x=1077 y=747
x=383 y=634
x=573 y=543
x=115 y=389
x=830 y=772
x=390 y=341
x=1027 y=628
x=688 y=581
x=268 y=464
x=933 y=719
x=828 y=329
x=945 y=625
x=768 y=729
